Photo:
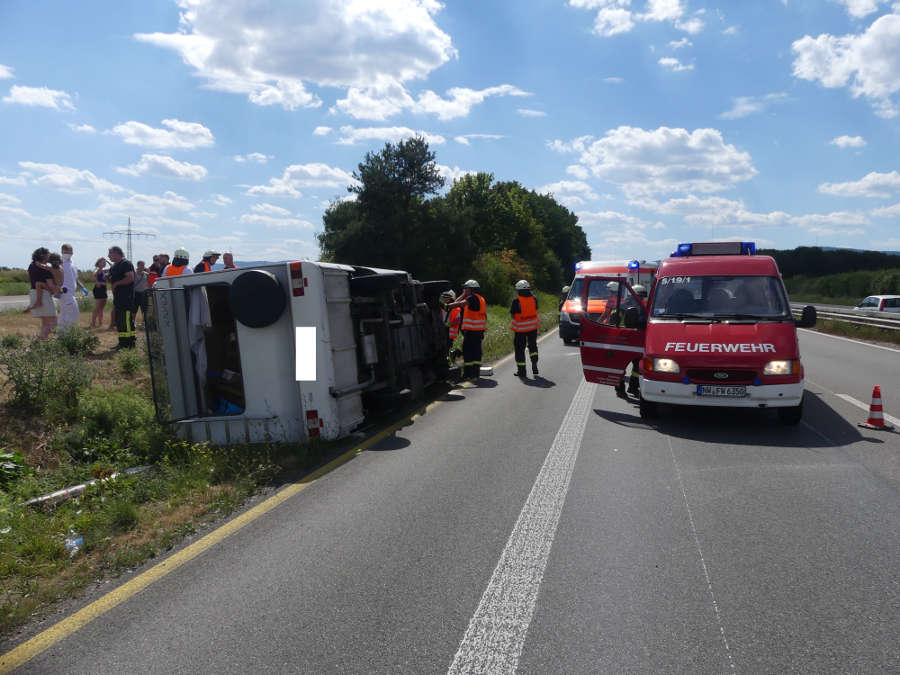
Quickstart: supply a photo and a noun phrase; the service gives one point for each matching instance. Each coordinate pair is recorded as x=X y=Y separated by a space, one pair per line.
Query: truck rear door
x=607 y=346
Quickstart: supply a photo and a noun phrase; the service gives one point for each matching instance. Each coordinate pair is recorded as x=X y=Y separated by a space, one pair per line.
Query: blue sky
x=231 y=124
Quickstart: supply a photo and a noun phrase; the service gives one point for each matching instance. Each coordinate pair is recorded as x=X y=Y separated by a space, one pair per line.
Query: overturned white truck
x=227 y=348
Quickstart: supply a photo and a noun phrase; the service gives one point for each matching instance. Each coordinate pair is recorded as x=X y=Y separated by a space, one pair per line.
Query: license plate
x=721 y=390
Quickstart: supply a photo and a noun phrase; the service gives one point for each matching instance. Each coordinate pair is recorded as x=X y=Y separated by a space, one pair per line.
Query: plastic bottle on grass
x=74 y=543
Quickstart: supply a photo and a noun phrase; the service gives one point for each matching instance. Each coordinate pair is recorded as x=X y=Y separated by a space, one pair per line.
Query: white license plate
x=721 y=390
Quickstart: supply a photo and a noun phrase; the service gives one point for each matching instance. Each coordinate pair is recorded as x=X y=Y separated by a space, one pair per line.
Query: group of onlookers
x=54 y=275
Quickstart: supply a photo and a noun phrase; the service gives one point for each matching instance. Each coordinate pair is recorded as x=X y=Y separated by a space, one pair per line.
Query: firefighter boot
x=520 y=370
x=534 y=368
x=620 y=391
x=634 y=386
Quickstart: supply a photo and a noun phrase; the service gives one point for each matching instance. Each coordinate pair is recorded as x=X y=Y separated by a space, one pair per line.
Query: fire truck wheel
x=257 y=298
x=649 y=409
x=791 y=415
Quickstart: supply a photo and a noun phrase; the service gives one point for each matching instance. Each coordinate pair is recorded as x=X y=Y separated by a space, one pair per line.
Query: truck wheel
x=649 y=409
x=791 y=415
x=257 y=298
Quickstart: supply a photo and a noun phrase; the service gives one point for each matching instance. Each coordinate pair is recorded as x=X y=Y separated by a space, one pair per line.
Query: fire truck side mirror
x=633 y=318
x=807 y=317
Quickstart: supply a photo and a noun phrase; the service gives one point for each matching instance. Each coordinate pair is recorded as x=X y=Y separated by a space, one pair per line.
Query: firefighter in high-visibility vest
x=179 y=264
x=452 y=318
x=473 y=326
x=525 y=324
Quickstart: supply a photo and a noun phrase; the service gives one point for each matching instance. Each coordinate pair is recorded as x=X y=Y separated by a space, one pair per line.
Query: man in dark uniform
x=525 y=324
x=121 y=277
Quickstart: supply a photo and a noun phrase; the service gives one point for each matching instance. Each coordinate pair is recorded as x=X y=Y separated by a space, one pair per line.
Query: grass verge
x=858 y=332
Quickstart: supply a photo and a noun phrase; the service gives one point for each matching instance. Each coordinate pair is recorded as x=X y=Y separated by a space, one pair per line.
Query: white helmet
x=566 y=289
x=523 y=285
x=640 y=290
x=471 y=283
x=612 y=286
x=181 y=253
x=449 y=294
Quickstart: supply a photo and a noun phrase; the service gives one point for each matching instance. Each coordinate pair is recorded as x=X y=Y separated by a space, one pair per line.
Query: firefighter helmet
x=523 y=285
x=471 y=283
x=181 y=253
x=566 y=289
x=640 y=290
x=449 y=294
x=612 y=286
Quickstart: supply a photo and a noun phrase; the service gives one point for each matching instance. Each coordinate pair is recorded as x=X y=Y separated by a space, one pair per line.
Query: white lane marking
x=496 y=634
x=709 y=587
x=858 y=342
x=862 y=406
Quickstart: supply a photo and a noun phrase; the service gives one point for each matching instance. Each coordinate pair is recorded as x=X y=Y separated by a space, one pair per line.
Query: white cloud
x=270 y=209
x=67 y=179
x=679 y=44
x=464 y=139
x=569 y=192
x=613 y=21
x=9 y=199
x=848 y=142
x=40 y=96
x=691 y=26
x=528 y=112
x=714 y=212
x=257 y=157
x=674 y=64
x=451 y=174
x=351 y=135
x=321 y=131
x=731 y=30
x=860 y=8
x=163 y=165
x=383 y=100
x=303 y=176
x=578 y=171
x=867 y=63
x=645 y=162
x=6 y=72
x=269 y=52
x=183 y=135
x=615 y=17
x=18 y=180
x=613 y=80
x=611 y=219
x=277 y=223
x=750 y=105
x=886 y=212
x=873 y=184
x=663 y=10
x=82 y=128
x=838 y=219
x=221 y=200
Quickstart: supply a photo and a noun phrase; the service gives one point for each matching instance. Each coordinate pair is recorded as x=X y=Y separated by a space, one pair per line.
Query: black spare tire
x=257 y=298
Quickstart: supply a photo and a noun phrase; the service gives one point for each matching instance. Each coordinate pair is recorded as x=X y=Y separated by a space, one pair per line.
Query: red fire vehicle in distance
x=717 y=330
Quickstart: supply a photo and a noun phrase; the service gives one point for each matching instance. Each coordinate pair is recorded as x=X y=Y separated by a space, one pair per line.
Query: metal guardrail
x=887 y=320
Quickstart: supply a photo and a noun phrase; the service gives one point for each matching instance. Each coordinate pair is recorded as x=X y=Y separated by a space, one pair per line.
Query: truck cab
x=635 y=272
x=717 y=330
x=289 y=351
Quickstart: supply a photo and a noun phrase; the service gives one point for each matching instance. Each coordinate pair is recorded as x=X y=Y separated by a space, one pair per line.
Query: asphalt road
x=9 y=302
x=543 y=527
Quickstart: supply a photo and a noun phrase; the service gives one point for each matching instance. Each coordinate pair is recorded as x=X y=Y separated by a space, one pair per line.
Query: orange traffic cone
x=876 y=414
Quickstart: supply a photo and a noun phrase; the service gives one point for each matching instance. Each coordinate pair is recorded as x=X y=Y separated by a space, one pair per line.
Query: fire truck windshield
x=720 y=297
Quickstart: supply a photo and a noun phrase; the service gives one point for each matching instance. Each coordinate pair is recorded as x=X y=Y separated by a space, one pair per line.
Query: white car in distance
x=880 y=303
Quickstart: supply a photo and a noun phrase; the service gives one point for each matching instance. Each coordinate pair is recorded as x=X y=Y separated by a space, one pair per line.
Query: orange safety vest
x=453 y=321
x=526 y=319
x=151 y=279
x=477 y=320
x=206 y=265
x=174 y=270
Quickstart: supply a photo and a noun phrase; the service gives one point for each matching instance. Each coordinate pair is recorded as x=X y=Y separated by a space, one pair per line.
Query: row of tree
x=496 y=232
x=812 y=261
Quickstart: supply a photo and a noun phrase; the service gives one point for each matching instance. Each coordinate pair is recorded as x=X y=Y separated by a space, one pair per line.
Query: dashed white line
x=496 y=634
x=712 y=595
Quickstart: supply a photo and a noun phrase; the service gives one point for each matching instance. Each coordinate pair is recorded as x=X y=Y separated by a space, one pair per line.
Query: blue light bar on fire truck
x=634 y=265
x=715 y=248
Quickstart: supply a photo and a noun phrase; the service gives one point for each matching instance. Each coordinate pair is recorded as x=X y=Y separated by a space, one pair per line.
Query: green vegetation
x=846 y=288
x=393 y=224
x=858 y=332
x=498 y=339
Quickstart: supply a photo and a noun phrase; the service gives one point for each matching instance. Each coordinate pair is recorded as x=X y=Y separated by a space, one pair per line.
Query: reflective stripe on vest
x=526 y=319
x=453 y=321
x=175 y=270
x=475 y=320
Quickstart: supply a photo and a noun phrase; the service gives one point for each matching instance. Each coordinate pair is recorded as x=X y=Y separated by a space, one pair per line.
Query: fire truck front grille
x=715 y=375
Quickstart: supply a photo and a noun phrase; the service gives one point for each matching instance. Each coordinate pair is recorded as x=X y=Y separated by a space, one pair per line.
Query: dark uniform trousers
x=471 y=348
x=520 y=340
x=125 y=326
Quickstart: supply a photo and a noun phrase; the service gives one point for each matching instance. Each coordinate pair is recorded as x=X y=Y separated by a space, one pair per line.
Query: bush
x=130 y=361
x=12 y=465
x=77 y=341
x=11 y=341
x=44 y=377
x=118 y=425
x=497 y=272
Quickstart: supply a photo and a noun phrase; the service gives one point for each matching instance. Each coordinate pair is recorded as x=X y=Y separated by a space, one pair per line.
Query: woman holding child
x=41 y=277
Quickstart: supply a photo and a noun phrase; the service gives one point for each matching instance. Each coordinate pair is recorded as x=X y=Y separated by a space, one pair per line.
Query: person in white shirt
x=68 y=305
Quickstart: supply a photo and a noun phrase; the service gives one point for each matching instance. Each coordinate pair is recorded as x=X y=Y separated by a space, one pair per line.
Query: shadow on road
x=392 y=442
x=539 y=381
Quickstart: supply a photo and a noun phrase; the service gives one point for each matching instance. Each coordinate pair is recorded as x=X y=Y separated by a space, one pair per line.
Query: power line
x=129 y=233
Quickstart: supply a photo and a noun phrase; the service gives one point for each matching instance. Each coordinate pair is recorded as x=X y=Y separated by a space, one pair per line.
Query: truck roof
x=754 y=265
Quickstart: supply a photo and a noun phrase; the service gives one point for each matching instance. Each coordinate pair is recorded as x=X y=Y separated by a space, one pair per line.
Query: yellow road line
x=46 y=639
x=59 y=631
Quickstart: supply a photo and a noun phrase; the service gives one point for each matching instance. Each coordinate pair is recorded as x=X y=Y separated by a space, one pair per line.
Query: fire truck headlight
x=665 y=366
x=781 y=368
